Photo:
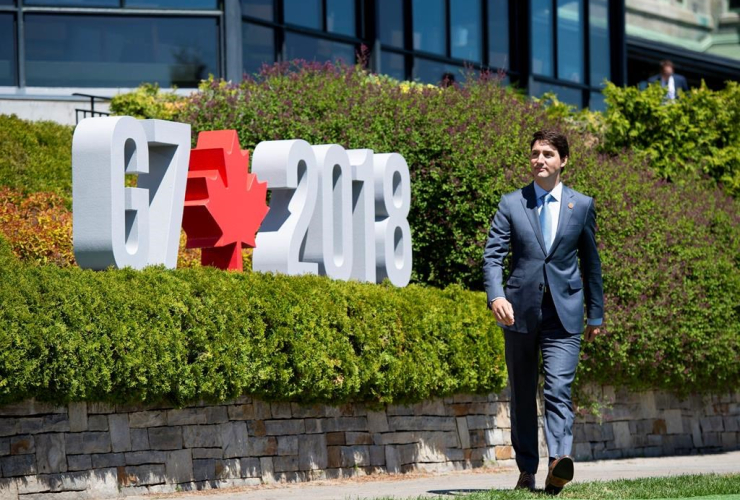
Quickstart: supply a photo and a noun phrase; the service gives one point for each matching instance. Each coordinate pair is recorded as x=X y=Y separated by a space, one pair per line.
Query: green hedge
x=152 y=335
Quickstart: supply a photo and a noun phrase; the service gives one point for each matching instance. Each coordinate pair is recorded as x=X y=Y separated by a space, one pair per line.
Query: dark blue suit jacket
x=516 y=226
x=679 y=81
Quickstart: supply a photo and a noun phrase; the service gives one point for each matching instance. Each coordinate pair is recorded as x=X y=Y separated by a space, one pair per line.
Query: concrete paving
x=456 y=483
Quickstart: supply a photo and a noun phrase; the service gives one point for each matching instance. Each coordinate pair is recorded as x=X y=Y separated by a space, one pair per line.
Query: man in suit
x=670 y=80
x=549 y=227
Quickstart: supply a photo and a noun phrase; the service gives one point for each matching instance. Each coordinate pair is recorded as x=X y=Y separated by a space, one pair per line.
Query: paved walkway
x=414 y=485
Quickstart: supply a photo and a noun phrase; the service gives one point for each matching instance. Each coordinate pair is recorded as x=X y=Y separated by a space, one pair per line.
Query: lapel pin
x=570 y=205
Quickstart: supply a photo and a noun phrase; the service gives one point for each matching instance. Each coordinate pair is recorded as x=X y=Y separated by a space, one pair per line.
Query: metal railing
x=90 y=112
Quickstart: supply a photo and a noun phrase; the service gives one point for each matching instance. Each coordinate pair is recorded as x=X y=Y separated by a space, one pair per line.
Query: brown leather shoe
x=559 y=474
x=526 y=480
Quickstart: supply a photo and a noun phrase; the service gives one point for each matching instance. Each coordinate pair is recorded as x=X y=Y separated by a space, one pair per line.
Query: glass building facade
x=570 y=47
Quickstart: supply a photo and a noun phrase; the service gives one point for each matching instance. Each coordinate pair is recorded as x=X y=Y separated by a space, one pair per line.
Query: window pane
x=542 y=55
x=74 y=3
x=498 y=33
x=7 y=50
x=340 y=17
x=258 y=47
x=303 y=13
x=430 y=26
x=599 y=41
x=393 y=65
x=565 y=94
x=597 y=102
x=465 y=28
x=262 y=9
x=98 y=51
x=172 y=4
x=570 y=40
x=316 y=49
x=7 y=2
x=433 y=72
x=390 y=22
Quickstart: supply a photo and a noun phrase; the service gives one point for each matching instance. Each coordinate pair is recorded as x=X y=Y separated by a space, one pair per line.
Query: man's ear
x=565 y=161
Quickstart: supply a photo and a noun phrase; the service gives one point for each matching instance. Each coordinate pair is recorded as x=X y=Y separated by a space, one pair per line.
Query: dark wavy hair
x=554 y=139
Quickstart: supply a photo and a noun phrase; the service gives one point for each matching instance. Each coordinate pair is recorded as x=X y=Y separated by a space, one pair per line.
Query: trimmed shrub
x=193 y=334
x=147 y=101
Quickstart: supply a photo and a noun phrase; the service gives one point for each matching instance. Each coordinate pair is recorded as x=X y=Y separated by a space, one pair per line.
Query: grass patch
x=697 y=487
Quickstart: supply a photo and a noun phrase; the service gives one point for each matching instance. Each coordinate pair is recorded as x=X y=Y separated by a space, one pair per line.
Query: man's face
x=667 y=71
x=545 y=161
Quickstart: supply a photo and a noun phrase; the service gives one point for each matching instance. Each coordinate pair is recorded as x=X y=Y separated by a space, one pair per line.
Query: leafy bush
x=192 y=334
x=685 y=138
x=35 y=156
x=147 y=101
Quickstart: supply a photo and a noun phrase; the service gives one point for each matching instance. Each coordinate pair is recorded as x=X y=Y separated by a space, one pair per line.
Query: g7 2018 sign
x=332 y=212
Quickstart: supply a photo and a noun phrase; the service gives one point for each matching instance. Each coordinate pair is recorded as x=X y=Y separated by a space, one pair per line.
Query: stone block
x=622 y=435
x=287 y=445
x=422 y=424
x=22 y=445
x=286 y=464
x=178 y=466
x=261 y=410
x=503 y=418
x=104 y=460
x=216 y=415
x=251 y=467
x=607 y=454
x=434 y=407
x=354 y=456
x=712 y=424
x=731 y=423
x=100 y=408
x=4 y=446
x=207 y=453
x=280 y=410
x=377 y=421
x=267 y=469
x=229 y=468
x=358 y=438
x=77 y=417
x=145 y=457
x=167 y=438
x=504 y=452
x=262 y=446
x=463 y=432
x=241 y=412
x=377 y=456
x=154 y=418
x=314 y=426
x=306 y=411
x=312 y=452
x=696 y=434
x=234 y=439
x=480 y=422
x=186 y=416
x=57 y=422
x=646 y=405
x=141 y=475
x=392 y=459
x=201 y=436
x=336 y=438
x=79 y=462
x=673 y=421
x=729 y=441
x=582 y=451
x=18 y=465
x=283 y=427
x=495 y=437
x=29 y=407
x=139 y=439
x=120 y=433
x=85 y=443
x=97 y=423
x=9 y=426
x=8 y=489
x=655 y=440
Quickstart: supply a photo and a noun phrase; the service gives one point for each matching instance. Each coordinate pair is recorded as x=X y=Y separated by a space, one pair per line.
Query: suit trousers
x=560 y=352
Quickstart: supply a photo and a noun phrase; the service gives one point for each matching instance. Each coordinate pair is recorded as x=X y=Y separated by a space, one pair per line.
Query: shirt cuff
x=490 y=302
x=594 y=322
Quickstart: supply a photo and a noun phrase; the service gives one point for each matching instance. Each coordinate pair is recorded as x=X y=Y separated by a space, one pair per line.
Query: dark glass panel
x=498 y=33
x=565 y=94
x=390 y=22
x=570 y=40
x=430 y=26
x=7 y=50
x=73 y=3
x=340 y=17
x=393 y=65
x=7 y=2
x=465 y=29
x=597 y=102
x=542 y=38
x=599 y=56
x=258 y=47
x=172 y=4
x=317 y=49
x=303 y=13
x=99 y=51
x=427 y=71
x=262 y=9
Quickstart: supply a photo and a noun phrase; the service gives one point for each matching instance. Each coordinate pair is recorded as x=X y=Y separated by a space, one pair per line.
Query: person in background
x=668 y=78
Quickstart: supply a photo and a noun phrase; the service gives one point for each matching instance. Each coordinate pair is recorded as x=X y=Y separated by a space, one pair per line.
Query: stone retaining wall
x=92 y=450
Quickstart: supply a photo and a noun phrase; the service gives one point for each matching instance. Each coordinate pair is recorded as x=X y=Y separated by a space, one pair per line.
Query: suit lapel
x=564 y=218
x=529 y=202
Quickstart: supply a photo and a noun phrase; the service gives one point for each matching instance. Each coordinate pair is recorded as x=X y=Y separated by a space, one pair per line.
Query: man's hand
x=503 y=311
x=591 y=332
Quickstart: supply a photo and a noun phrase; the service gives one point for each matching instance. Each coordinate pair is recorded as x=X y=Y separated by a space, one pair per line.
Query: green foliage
x=35 y=156
x=697 y=134
x=202 y=333
x=147 y=101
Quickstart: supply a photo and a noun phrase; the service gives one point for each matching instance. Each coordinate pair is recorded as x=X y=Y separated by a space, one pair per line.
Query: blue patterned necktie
x=546 y=221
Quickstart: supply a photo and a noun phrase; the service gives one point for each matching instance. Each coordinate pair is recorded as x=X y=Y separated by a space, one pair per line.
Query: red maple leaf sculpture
x=224 y=203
